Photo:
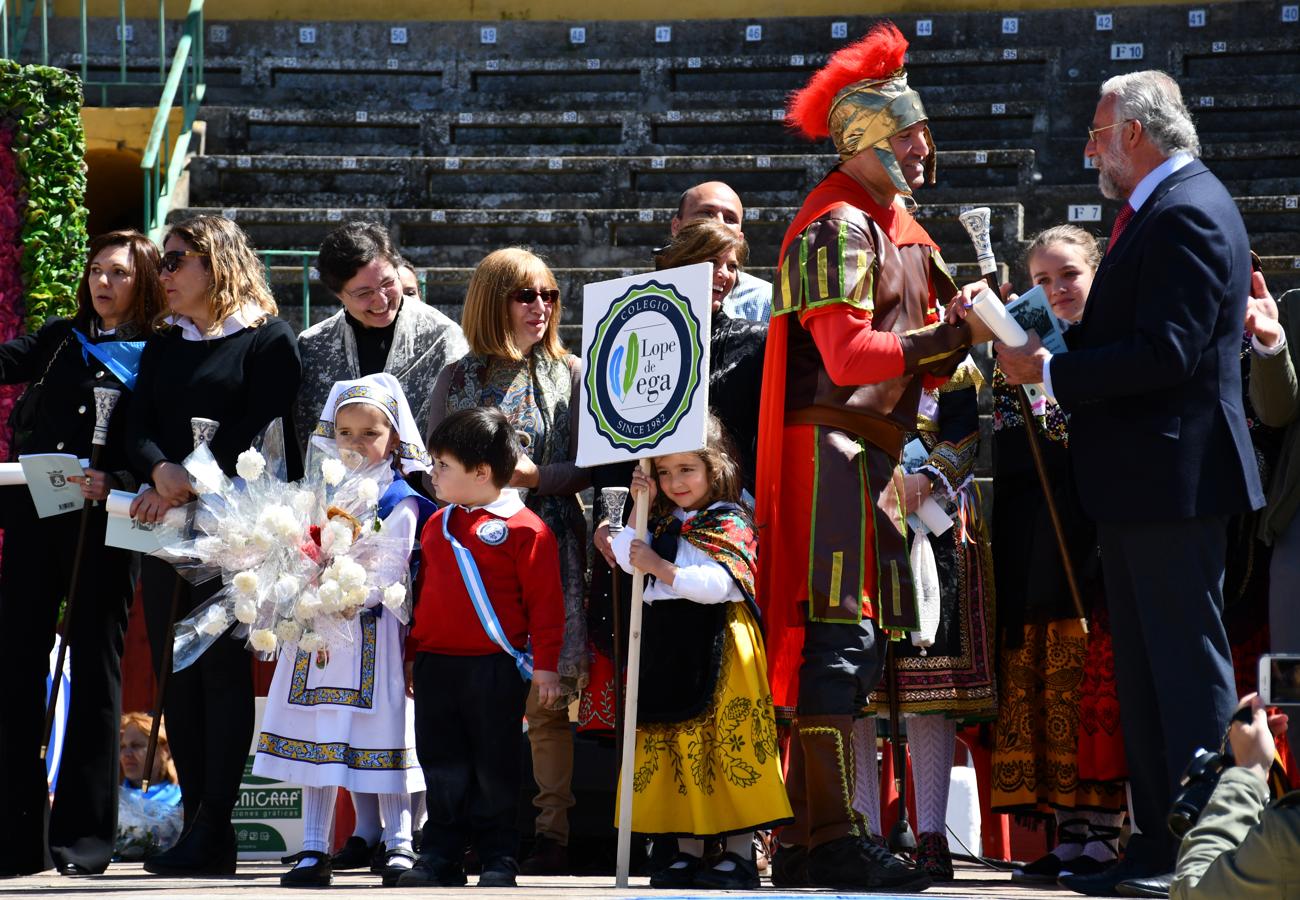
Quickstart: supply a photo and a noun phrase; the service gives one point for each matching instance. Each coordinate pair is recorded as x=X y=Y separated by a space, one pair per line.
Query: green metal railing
x=304 y=261
x=182 y=83
x=164 y=159
x=15 y=23
x=122 y=79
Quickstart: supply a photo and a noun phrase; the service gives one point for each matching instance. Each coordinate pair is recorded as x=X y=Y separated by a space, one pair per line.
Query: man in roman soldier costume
x=856 y=336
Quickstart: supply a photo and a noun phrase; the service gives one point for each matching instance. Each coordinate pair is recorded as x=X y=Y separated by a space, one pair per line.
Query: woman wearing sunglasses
x=220 y=353
x=517 y=363
x=63 y=362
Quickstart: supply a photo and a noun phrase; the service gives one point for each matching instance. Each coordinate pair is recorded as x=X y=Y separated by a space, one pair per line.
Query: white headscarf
x=383 y=392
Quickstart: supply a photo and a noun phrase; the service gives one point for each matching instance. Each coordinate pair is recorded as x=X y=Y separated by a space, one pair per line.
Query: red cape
x=784 y=621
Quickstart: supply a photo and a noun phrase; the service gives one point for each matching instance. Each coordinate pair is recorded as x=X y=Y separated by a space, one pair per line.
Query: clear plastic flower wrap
x=297 y=560
x=144 y=826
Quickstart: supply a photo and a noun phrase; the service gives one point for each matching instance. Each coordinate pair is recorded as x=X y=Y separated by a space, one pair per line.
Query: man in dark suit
x=1158 y=438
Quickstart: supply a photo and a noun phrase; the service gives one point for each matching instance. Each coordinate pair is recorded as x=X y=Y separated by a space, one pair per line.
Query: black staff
x=976 y=223
x=105 y=400
x=901 y=837
x=614 y=500
x=203 y=430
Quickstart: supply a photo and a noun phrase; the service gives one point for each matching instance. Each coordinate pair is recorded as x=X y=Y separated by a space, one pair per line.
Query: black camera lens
x=1198 y=781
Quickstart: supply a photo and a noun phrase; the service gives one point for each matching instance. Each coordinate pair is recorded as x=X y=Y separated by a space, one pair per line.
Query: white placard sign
x=645 y=340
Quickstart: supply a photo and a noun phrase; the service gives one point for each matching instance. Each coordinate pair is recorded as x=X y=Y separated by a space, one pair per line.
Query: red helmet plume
x=876 y=56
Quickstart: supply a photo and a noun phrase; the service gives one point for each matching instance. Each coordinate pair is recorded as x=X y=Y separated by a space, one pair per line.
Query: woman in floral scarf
x=517 y=364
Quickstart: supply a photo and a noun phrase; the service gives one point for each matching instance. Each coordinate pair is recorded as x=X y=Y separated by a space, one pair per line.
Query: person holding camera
x=1240 y=845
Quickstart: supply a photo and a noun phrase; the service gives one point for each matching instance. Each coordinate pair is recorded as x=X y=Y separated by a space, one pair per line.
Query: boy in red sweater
x=476 y=639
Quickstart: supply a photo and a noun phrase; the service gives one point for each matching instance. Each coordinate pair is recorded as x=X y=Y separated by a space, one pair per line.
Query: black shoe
x=790 y=867
x=1155 y=886
x=744 y=877
x=1049 y=869
x=72 y=869
x=549 y=857
x=499 y=873
x=677 y=877
x=378 y=858
x=207 y=849
x=318 y=874
x=1106 y=882
x=391 y=872
x=853 y=863
x=430 y=872
x=354 y=854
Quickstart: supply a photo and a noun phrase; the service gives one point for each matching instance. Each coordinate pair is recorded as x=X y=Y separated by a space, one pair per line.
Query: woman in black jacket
x=117 y=300
x=221 y=354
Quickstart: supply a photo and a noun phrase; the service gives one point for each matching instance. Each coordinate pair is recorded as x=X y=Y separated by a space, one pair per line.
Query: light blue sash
x=487 y=616
x=122 y=358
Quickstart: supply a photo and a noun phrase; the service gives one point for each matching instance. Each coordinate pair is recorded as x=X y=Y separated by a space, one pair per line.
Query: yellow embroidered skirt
x=718 y=773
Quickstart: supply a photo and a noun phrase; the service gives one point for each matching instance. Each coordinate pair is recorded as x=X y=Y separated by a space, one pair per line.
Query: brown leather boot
x=840 y=853
x=827 y=746
x=790 y=860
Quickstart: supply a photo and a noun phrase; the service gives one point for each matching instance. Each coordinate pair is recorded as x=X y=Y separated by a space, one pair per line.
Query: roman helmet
x=860 y=99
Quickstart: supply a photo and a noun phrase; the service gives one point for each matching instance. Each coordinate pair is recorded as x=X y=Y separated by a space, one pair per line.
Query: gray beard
x=1106 y=179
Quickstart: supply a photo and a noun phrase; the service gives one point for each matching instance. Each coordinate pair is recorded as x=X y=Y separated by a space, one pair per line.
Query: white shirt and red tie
x=1145 y=188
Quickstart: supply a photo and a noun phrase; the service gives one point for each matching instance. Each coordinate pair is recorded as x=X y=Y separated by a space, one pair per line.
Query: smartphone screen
x=1282 y=674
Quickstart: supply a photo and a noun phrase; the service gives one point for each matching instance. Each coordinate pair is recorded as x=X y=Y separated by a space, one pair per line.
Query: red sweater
x=527 y=553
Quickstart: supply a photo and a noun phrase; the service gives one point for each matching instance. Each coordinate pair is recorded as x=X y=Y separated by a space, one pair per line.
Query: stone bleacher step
x=541 y=181
x=567 y=237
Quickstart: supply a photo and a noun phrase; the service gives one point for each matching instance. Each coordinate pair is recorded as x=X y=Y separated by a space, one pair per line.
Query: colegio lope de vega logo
x=643 y=366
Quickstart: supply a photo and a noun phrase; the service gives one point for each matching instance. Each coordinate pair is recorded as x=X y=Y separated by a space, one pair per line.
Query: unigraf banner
x=645 y=342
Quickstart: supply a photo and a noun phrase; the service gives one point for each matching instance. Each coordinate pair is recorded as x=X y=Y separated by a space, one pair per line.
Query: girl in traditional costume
x=1057 y=744
x=341 y=717
x=706 y=754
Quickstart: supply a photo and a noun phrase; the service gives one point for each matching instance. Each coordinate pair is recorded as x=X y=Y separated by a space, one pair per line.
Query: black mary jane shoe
x=742 y=877
x=675 y=877
x=391 y=872
x=354 y=854
x=319 y=874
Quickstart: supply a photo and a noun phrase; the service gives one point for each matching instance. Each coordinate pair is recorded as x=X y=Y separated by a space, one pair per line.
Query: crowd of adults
x=1167 y=432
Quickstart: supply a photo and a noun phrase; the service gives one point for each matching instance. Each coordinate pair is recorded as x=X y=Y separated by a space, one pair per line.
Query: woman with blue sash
x=62 y=363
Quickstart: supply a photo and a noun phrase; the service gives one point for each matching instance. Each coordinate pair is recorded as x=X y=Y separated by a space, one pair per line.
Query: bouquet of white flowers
x=297 y=560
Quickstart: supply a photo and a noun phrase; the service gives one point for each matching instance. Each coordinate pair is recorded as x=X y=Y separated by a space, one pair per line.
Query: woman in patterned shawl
x=383 y=325
x=517 y=364
x=1057 y=744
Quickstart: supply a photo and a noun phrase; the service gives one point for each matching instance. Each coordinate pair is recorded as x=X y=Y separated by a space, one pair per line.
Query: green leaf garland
x=41 y=106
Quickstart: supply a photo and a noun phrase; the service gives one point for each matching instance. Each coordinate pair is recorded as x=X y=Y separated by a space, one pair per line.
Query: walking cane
x=203 y=430
x=105 y=400
x=614 y=500
x=623 y=862
x=976 y=223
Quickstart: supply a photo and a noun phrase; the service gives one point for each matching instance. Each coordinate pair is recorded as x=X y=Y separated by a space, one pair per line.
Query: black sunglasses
x=528 y=295
x=174 y=259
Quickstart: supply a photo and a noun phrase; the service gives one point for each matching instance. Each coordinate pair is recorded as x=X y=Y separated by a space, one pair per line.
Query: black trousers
x=34 y=580
x=842 y=664
x=1173 y=666
x=468 y=715
x=208 y=710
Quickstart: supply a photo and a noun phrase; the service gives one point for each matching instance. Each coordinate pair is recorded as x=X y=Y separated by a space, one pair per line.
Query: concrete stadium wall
x=567 y=10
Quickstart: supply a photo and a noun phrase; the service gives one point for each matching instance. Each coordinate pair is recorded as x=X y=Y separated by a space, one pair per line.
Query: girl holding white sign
x=706 y=755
